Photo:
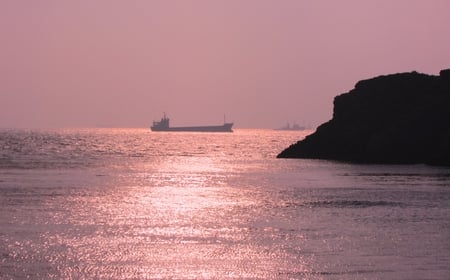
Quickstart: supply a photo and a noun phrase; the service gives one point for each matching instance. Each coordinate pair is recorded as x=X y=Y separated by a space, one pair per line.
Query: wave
x=352 y=203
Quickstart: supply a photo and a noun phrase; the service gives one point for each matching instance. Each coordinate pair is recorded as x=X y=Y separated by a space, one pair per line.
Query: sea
x=134 y=204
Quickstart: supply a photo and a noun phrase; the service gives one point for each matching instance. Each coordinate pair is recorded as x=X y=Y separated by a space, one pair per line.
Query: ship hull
x=212 y=128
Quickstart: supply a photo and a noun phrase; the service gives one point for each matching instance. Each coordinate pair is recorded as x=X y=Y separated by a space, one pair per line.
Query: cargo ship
x=163 y=125
x=291 y=127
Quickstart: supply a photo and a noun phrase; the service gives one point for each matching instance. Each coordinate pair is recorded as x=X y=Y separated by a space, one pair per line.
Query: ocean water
x=135 y=204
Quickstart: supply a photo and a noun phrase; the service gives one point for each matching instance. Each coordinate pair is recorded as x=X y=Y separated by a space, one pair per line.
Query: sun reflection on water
x=131 y=204
x=138 y=214
x=186 y=222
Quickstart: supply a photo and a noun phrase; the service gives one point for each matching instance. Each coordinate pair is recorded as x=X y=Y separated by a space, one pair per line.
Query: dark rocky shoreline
x=400 y=118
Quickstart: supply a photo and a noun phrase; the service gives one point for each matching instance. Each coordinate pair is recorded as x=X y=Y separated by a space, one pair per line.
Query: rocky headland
x=400 y=118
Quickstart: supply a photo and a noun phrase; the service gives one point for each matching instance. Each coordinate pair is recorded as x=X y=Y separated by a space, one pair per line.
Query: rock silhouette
x=400 y=118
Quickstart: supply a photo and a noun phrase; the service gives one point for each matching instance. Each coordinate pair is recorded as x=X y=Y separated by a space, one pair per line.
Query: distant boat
x=163 y=125
x=291 y=127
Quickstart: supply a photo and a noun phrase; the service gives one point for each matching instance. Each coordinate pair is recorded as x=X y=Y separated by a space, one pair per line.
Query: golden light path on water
x=190 y=216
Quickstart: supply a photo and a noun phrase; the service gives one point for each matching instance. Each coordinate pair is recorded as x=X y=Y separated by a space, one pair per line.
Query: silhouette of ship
x=291 y=127
x=163 y=125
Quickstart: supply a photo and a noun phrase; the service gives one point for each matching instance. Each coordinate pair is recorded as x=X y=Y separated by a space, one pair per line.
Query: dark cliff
x=398 y=118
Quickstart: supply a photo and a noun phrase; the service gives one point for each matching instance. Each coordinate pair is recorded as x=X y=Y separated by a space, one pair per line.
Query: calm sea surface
x=135 y=204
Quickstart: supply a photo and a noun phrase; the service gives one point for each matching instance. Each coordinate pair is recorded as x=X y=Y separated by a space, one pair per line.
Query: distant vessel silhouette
x=291 y=127
x=163 y=125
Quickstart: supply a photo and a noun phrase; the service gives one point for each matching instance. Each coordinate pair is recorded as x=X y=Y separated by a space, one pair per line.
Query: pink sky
x=262 y=63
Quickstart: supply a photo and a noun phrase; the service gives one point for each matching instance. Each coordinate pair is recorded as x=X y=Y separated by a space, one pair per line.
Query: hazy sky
x=262 y=63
